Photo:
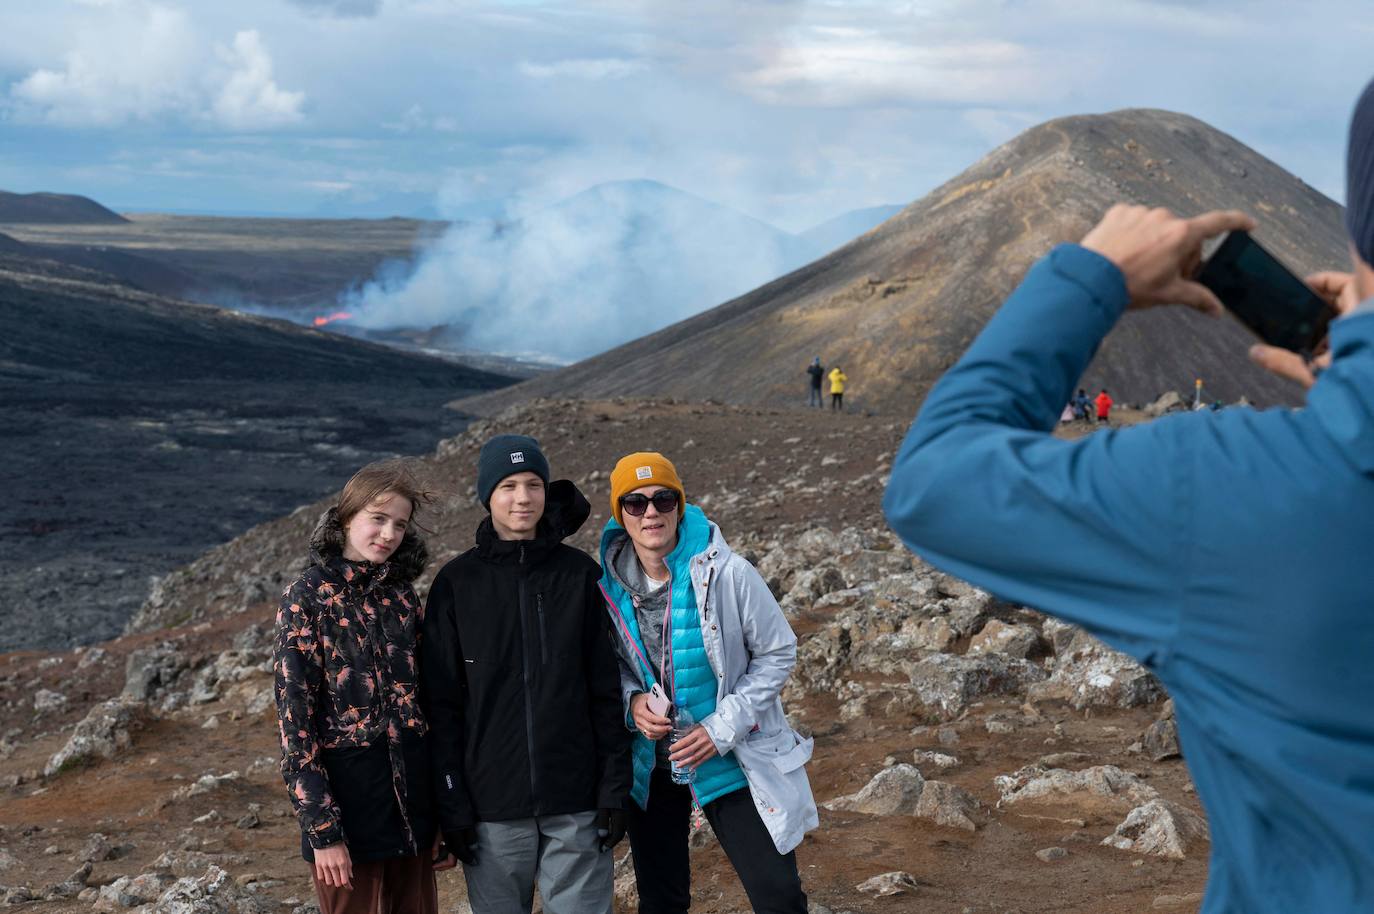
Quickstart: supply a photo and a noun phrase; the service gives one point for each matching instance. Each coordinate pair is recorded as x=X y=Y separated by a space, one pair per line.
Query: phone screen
x=1267 y=298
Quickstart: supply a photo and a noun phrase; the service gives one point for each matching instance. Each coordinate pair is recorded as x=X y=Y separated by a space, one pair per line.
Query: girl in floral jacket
x=353 y=737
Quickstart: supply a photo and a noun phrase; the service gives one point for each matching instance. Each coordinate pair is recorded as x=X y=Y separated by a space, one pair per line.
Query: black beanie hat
x=503 y=456
x=1359 y=177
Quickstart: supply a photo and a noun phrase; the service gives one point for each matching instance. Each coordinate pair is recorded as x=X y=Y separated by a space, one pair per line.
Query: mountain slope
x=54 y=209
x=897 y=306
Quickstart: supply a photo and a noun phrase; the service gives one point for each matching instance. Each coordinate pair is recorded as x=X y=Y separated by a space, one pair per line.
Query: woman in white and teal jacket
x=698 y=621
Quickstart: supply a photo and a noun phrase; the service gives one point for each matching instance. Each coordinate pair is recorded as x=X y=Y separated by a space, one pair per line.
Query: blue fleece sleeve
x=1091 y=530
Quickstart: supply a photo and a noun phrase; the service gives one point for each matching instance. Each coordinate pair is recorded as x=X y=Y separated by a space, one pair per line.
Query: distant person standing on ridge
x=1229 y=553
x=532 y=765
x=1082 y=406
x=817 y=373
x=837 y=379
x=1104 y=405
x=355 y=748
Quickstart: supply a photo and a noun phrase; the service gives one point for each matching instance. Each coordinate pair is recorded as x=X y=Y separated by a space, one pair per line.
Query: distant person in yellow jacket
x=837 y=379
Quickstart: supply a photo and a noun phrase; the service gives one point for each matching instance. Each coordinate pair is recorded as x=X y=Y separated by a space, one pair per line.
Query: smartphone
x=658 y=701
x=1262 y=293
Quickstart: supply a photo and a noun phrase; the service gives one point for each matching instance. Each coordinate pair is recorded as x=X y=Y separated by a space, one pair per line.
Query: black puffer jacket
x=520 y=679
x=355 y=754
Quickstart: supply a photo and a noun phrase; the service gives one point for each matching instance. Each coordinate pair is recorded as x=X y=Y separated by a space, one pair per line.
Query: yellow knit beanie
x=646 y=468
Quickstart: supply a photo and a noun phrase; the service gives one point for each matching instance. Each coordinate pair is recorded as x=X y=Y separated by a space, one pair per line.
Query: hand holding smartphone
x=658 y=701
x=1277 y=306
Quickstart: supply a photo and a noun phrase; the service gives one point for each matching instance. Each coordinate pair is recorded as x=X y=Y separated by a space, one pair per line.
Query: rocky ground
x=971 y=755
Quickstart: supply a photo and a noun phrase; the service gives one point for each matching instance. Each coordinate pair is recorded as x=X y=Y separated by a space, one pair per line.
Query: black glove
x=462 y=843
x=610 y=828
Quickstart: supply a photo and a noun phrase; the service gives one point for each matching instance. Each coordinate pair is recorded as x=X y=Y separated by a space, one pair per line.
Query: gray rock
x=934 y=759
x=895 y=883
x=1161 y=740
x=945 y=804
x=7 y=859
x=151 y=670
x=1000 y=637
x=106 y=730
x=1089 y=674
x=892 y=791
x=181 y=864
x=1103 y=782
x=1189 y=902
x=212 y=893
x=1167 y=402
x=1050 y=854
x=45 y=701
x=97 y=849
x=1161 y=829
x=947 y=684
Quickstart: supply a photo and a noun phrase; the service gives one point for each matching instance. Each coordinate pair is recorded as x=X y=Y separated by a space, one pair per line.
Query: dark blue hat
x=505 y=455
x=1359 y=177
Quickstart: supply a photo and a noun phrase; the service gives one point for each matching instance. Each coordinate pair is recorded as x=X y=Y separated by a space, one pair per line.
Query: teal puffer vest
x=694 y=682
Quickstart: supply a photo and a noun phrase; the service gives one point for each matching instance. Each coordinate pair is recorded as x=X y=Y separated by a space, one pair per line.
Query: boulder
x=945 y=804
x=1102 y=782
x=1161 y=829
x=106 y=730
x=947 y=684
x=1000 y=637
x=1089 y=674
x=151 y=670
x=97 y=849
x=892 y=791
x=1168 y=401
x=130 y=892
x=212 y=893
x=45 y=701
x=1161 y=740
x=936 y=759
x=895 y=883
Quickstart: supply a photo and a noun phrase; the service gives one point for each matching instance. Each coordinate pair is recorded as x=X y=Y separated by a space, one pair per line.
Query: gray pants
x=559 y=851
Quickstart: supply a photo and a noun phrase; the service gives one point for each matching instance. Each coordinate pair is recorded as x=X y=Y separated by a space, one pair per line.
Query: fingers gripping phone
x=658 y=701
x=1261 y=292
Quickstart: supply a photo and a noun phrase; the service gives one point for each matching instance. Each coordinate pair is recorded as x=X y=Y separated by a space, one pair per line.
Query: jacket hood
x=696 y=534
x=405 y=564
x=566 y=509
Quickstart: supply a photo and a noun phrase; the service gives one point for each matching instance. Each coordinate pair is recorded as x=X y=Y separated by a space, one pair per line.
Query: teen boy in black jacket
x=531 y=750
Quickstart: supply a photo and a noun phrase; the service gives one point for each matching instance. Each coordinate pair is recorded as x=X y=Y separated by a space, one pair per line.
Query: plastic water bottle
x=683 y=722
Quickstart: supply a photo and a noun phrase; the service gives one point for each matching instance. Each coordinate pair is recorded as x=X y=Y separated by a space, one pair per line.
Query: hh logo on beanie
x=517 y=457
x=644 y=473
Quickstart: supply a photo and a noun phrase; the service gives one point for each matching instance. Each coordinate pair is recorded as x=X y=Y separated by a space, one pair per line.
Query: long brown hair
x=375 y=480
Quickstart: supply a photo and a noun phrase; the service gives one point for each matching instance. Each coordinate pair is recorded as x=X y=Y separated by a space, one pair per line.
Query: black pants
x=658 y=838
x=837 y=401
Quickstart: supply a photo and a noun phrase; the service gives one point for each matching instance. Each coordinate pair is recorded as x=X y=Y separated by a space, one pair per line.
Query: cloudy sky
x=789 y=110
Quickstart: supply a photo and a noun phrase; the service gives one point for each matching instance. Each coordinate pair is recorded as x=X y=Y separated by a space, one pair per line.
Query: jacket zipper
x=529 y=697
x=543 y=632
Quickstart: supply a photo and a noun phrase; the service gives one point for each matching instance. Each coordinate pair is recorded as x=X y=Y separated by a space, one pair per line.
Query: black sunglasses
x=636 y=503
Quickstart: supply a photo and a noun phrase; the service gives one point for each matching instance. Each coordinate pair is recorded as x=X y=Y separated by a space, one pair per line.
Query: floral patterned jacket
x=346 y=672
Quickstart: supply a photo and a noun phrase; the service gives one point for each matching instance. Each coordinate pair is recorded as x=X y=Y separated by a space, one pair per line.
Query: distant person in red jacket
x=1104 y=405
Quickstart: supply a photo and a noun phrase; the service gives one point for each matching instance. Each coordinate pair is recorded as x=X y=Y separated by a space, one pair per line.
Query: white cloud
x=138 y=61
x=342 y=8
x=121 y=72
x=589 y=69
x=847 y=66
x=250 y=99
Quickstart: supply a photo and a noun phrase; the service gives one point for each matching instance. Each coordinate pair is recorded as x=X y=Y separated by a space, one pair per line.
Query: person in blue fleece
x=1228 y=552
